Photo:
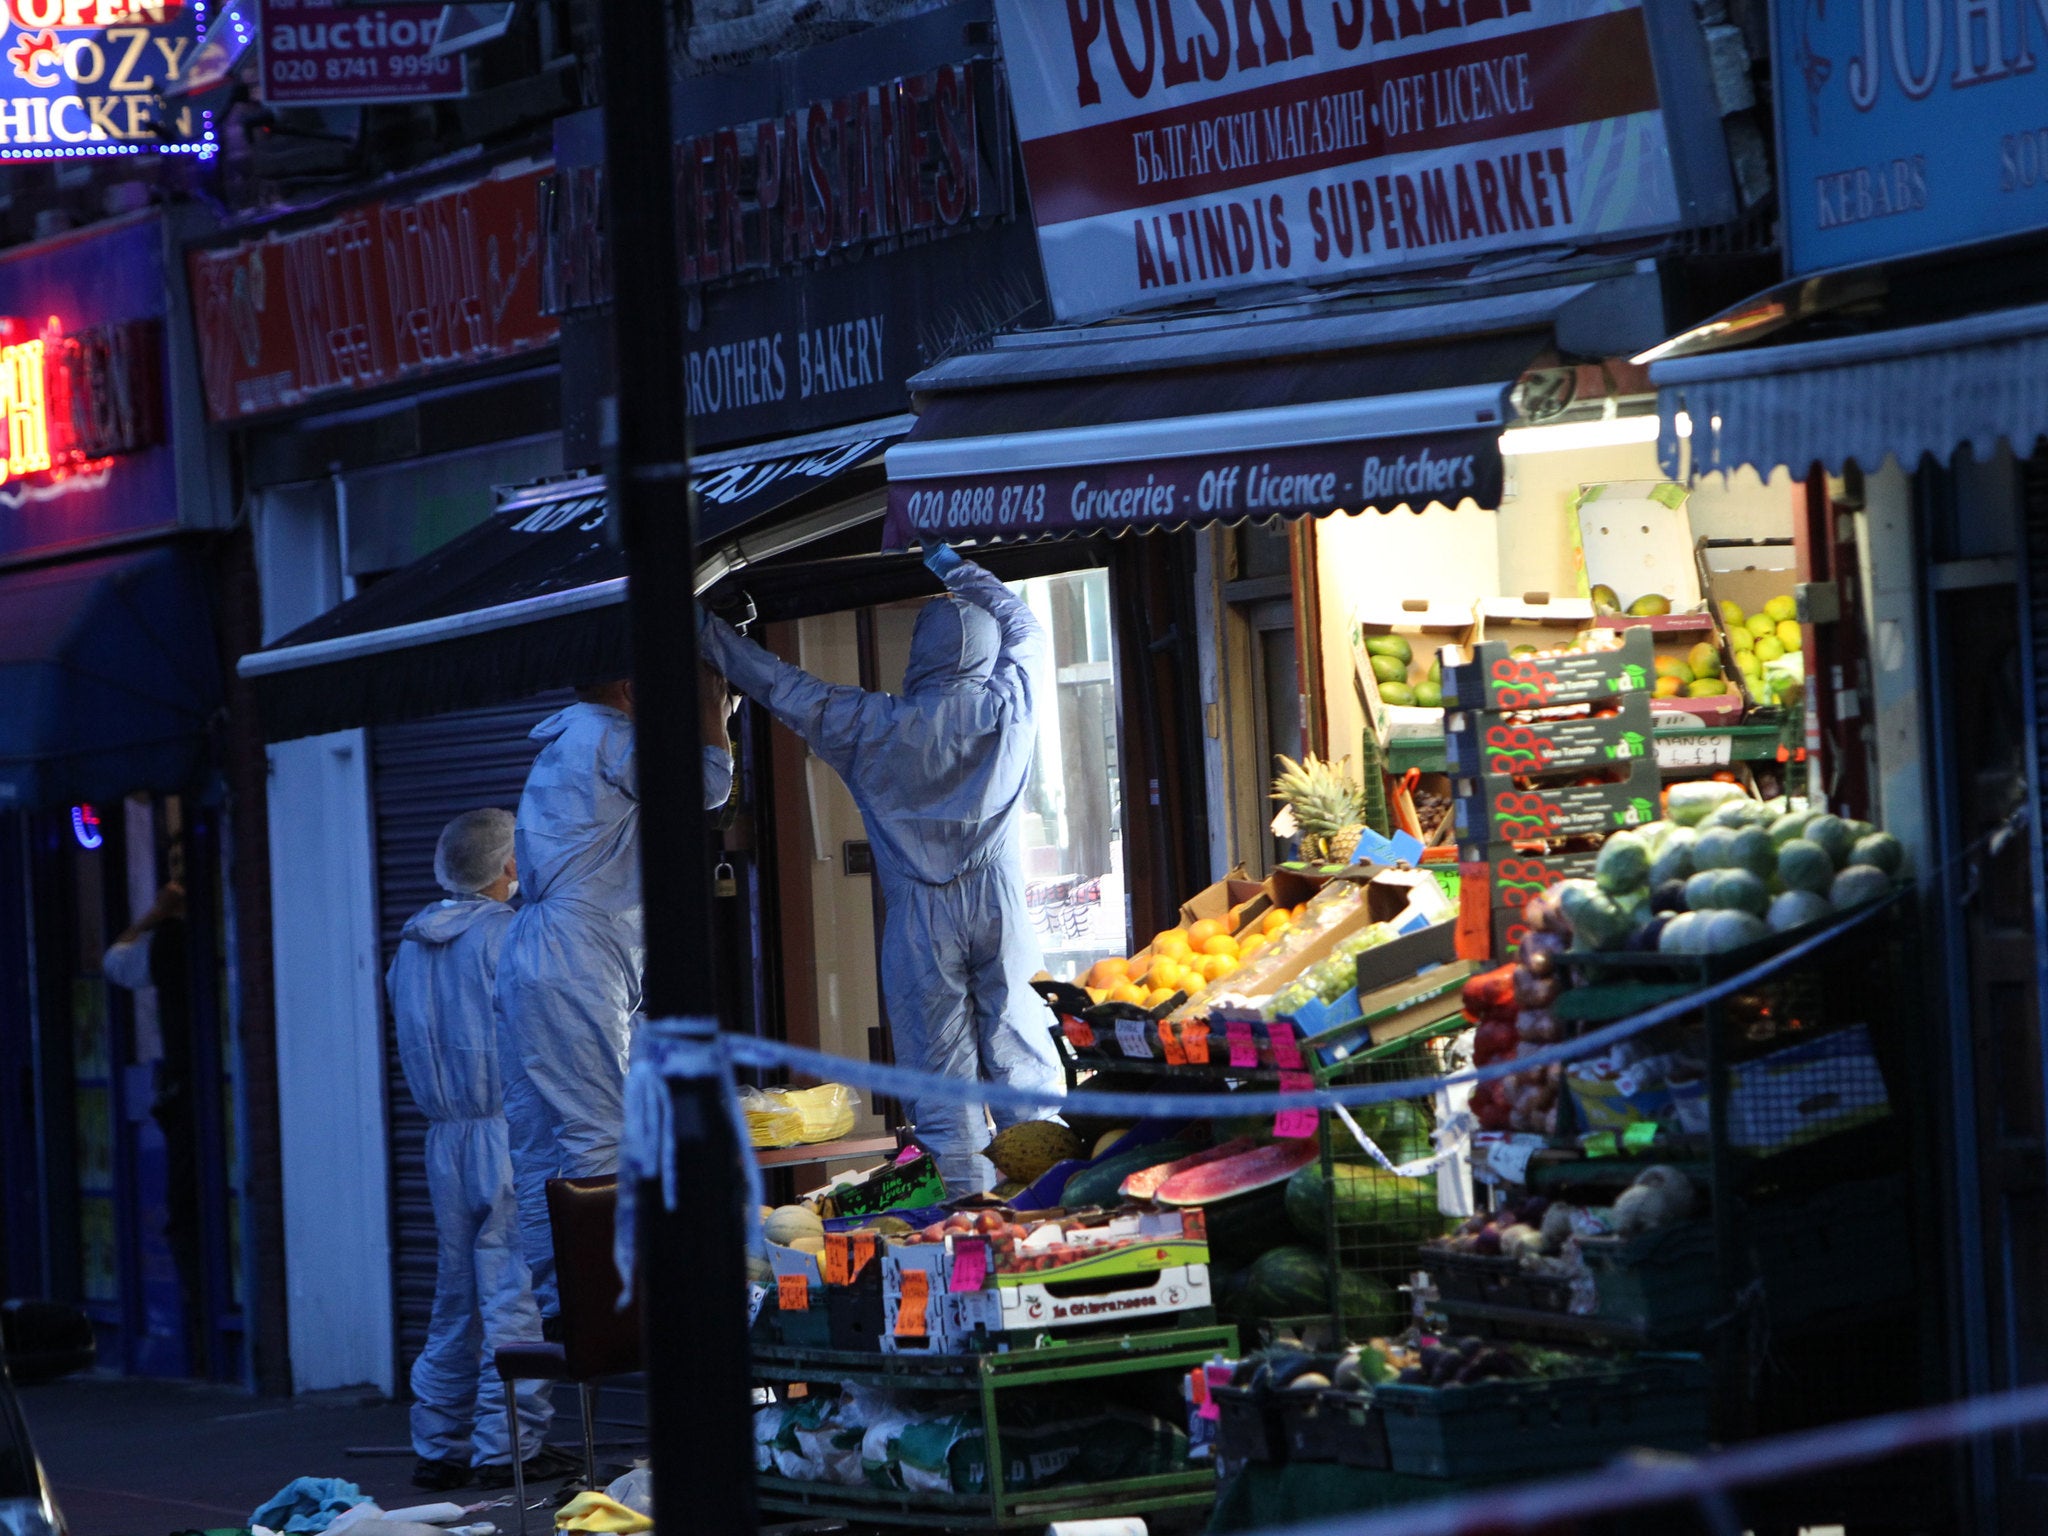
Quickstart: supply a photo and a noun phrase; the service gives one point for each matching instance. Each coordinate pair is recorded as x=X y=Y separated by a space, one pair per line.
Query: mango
x=1649 y=606
x=1671 y=666
x=1769 y=648
x=1667 y=688
x=1704 y=660
x=1760 y=624
x=1739 y=638
x=1606 y=599
x=1731 y=613
x=1781 y=608
x=1707 y=688
x=1789 y=636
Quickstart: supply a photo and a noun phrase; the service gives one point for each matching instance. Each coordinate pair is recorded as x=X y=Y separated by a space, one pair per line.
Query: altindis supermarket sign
x=1181 y=147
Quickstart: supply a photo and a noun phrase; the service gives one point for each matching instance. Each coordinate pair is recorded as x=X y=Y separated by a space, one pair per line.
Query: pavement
x=137 y=1457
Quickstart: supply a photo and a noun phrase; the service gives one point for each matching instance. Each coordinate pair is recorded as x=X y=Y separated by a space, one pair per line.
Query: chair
x=598 y=1339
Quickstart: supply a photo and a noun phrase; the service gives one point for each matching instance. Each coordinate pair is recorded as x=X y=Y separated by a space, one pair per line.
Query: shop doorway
x=1264 y=669
x=1982 y=670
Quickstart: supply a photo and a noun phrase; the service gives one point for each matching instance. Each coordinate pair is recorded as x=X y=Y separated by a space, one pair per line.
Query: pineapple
x=1328 y=804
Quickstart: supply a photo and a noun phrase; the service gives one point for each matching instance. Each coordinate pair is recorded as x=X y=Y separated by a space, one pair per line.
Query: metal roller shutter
x=424 y=773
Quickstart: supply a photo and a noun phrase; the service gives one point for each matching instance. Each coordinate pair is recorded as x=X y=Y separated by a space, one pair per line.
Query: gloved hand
x=940 y=560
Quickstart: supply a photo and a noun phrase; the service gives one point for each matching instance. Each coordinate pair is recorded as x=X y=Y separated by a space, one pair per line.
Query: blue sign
x=93 y=78
x=1909 y=125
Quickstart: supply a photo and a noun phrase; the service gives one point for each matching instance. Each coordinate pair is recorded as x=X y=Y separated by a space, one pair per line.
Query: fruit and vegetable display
x=1509 y=1007
x=1403 y=678
x=1760 y=644
x=1722 y=871
x=1651 y=605
x=1697 y=675
x=1184 y=961
x=1329 y=807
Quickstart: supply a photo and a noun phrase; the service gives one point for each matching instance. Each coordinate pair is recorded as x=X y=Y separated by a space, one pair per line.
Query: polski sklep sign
x=324 y=52
x=1908 y=125
x=1177 y=147
x=1308 y=480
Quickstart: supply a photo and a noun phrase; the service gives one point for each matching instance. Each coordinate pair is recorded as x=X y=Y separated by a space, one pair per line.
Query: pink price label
x=970 y=1264
x=1286 y=1054
x=1243 y=1052
x=1292 y=1124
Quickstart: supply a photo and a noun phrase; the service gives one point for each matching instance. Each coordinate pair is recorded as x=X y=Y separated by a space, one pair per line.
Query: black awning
x=108 y=677
x=534 y=598
x=1251 y=438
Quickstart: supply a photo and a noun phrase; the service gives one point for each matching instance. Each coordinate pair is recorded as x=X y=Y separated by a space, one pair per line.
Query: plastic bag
x=636 y=1489
x=790 y=1117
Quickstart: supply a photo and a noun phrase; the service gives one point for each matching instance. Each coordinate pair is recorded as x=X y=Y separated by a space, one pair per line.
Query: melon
x=1100 y=1182
x=1737 y=811
x=1702 y=891
x=1789 y=826
x=1795 y=909
x=1274 y=1163
x=1145 y=1182
x=1689 y=804
x=1738 y=890
x=1804 y=865
x=1371 y=1207
x=1677 y=937
x=1030 y=1150
x=786 y=1223
x=1714 y=848
x=1674 y=857
x=1289 y=1281
x=1400 y=1129
x=1880 y=850
x=1730 y=930
x=1831 y=833
x=1623 y=864
x=1754 y=851
x=1858 y=884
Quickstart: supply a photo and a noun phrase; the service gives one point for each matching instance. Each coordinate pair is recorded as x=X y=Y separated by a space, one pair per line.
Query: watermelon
x=1789 y=826
x=1701 y=891
x=1858 y=884
x=1678 y=937
x=1689 y=803
x=1729 y=929
x=1754 y=851
x=1273 y=1163
x=1880 y=850
x=1795 y=909
x=1371 y=1307
x=1245 y=1226
x=1833 y=834
x=1373 y=1207
x=1289 y=1281
x=1400 y=1129
x=1805 y=866
x=1714 y=848
x=1145 y=1182
x=1100 y=1181
x=1674 y=858
x=1623 y=863
x=1227 y=1288
x=1739 y=890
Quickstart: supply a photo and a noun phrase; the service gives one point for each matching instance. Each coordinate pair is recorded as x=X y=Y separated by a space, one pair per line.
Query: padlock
x=723 y=882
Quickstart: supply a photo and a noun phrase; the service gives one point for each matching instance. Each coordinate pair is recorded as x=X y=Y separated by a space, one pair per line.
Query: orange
x=1097 y=994
x=1160 y=995
x=1250 y=945
x=1220 y=944
x=1216 y=967
x=1166 y=973
x=1274 y=921
x=1107 y=973
x=1172 y=942
x=1203 y=930
x=1127 y=992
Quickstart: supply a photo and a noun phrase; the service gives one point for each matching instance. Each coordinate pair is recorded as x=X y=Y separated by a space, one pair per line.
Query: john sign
x=1178 y=147
x=1907 y=125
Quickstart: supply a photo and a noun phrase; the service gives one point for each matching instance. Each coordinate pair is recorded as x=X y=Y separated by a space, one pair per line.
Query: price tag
x=1293 y=1124
x=862 y=1254
x=1130 y=1038
x=1286 y=1054
x=910 y=1309
x=1640 y=1136
x=793 y=1293
x=1198 y=1388
x=1194 y=1041
x=1243 y=1053
x=1080 y=1034
x=970 y=1265
x=1216 y=1376
x=1600 y=1144
x=1508 y=1161
x=756 y=1294
x=837 y=1269
x=1169 y=1042
x=1695 y=749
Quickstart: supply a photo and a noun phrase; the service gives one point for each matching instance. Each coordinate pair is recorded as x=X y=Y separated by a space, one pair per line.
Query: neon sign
x=85 y=826
x=69 y=401
x=24 y=405
x=99 y=77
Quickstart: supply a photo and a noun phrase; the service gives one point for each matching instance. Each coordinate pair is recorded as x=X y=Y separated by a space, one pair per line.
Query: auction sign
x=1909 y=127
x=377 y=294
x=87 y=78
x=329 y=53
x=1181 y=147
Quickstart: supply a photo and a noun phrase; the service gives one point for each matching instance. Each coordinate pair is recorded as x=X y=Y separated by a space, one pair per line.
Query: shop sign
x=1907 y=127
x=88 y=78
x=328 y=53
x=845 y=218
x=1309 y=480
x=83 y=414
x=1180 y=147
x=383 y=293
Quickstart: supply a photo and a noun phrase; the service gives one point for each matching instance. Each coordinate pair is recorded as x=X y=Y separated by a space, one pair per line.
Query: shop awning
x=1970 y=382
x=1171 y=423
x=108 y=675
x=535 y=597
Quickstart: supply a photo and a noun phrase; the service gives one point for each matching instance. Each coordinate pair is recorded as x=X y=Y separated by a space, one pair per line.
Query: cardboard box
x=1546 y=741
x=1490 y=678
x=1674 y=638
x=1427 y=626
x=1129 y=1265
x=1493 y=810
x=1747 y=572
x=1634 y=537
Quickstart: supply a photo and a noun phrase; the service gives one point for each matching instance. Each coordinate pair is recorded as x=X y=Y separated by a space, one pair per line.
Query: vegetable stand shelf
x=1053 y=1363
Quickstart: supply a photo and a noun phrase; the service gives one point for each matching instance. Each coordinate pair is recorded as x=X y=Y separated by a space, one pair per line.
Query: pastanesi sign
x=1176 y=147
x=1908 y=125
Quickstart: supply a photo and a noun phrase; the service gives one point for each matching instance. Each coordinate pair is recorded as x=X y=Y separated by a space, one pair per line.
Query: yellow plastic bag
x=793 y=1117
x=597 y=1512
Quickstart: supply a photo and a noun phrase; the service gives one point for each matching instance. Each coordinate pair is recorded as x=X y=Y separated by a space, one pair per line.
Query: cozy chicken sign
x=1179 y=147
x=89 y=78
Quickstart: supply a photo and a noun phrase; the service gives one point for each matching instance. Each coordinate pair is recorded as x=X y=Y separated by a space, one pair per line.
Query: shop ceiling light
x=1608 y=432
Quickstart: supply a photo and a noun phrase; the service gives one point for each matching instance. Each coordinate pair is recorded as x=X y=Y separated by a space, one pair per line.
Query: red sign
x=324 y=51
x=380 y=294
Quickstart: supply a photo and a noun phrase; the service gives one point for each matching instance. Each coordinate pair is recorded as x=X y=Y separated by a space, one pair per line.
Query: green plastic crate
x=1522 y=1428
x=1660 y=1283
